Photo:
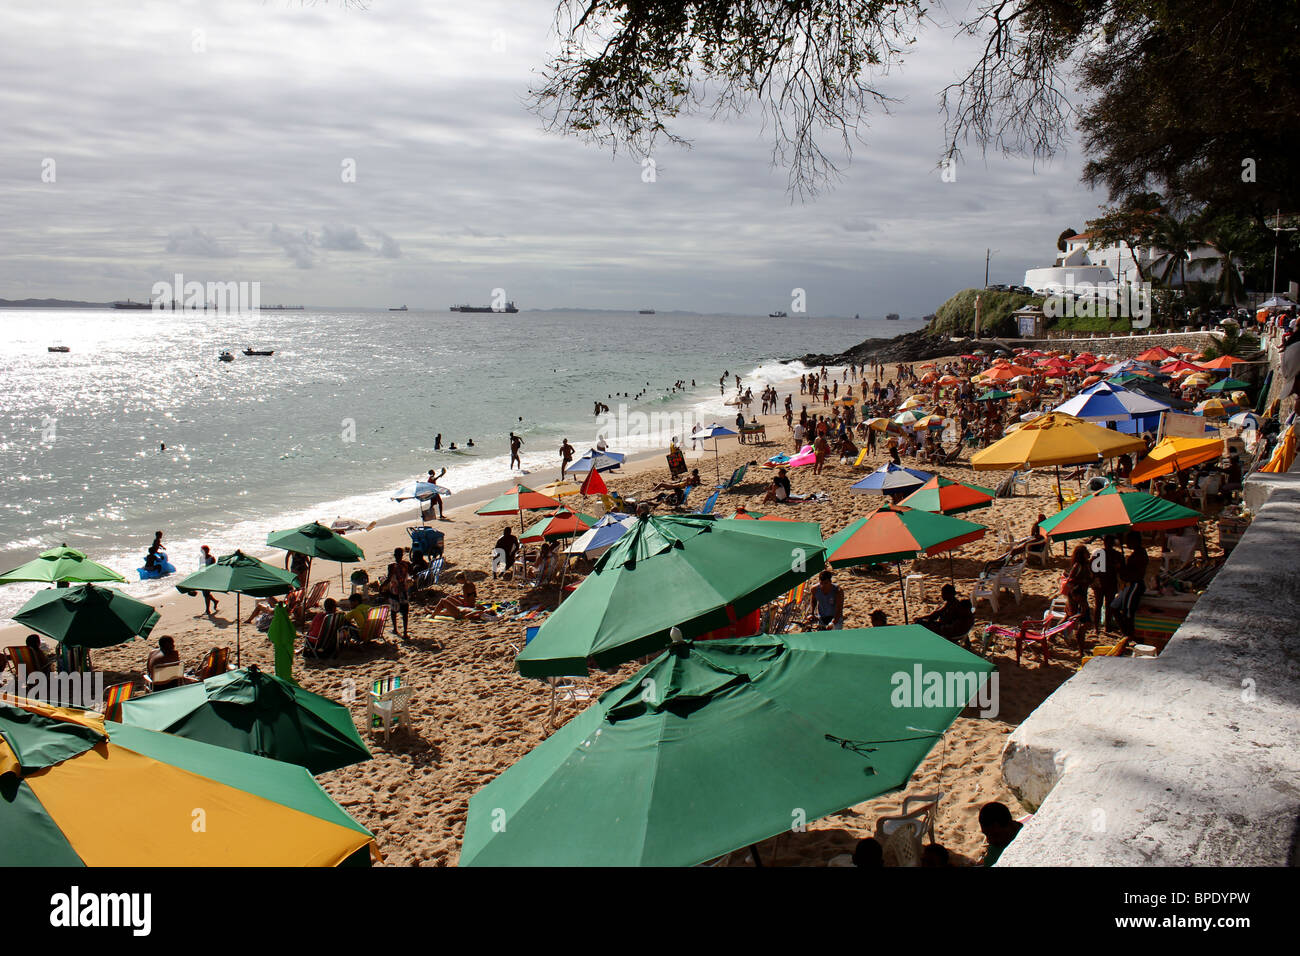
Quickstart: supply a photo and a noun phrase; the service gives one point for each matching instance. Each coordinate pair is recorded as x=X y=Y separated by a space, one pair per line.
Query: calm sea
x=345 y=411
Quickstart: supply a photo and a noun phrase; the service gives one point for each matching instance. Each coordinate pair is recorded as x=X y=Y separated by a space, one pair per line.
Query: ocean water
x=344 y=413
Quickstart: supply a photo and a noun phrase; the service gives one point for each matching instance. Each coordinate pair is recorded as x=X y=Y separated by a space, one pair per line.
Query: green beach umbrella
x=693 y=572
x=62 y=565
x=1112 y=510
x=282 y=635
x=256 y=713
x=895 y=534
x=717 y=745
x=76 y=790
x=87 y=616
x=242 y=574
x=1228 y=385
x=993 y=395
x=317 y=541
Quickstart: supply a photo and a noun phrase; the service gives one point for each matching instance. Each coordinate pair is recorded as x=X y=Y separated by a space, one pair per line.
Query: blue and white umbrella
x=891 y=479
x=1105 y=402
x=602 y=534
x=598 y=460
x=424 y=490
x=716 y=432
x=1245 y=420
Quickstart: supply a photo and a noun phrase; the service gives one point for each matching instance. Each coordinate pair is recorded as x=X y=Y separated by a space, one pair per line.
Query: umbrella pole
x=239 y=616
x=753 y=852
x=951 y=577
x=901 y=587
x=1060 y=499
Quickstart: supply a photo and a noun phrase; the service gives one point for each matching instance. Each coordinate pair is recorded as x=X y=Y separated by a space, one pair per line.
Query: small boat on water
x=891 y=317
x=256 y=352
x=777 y=315
x=646 y=312
x=402 y=309
x=58 y=348
x=226 y=357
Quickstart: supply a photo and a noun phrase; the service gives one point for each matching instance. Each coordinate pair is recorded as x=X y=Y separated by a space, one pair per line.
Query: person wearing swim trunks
x=398 y=587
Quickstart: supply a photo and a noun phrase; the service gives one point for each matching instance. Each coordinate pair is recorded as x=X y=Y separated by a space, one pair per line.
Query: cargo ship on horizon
x=509 y=307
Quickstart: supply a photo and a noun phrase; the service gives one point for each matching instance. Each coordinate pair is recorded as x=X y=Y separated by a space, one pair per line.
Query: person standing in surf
x=515 y=443
x=566 y=455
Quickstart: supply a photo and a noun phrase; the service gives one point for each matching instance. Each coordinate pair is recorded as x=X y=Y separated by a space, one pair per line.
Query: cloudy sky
x=212 y=138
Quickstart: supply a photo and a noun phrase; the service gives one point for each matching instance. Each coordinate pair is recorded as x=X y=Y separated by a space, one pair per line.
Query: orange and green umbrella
x=76 y=790
x=562 y=524
x=942 y=495
x=1111 y=511
x=896 y=534
x=1173 y=454
x=518 y=499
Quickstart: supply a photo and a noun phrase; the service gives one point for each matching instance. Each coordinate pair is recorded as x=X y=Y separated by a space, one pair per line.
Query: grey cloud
x=341 y=239
x=296 y=245
x=196 y=242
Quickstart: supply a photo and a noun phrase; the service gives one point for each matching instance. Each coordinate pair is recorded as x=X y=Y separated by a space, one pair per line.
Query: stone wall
x=1125 y=346
x=1190 y=758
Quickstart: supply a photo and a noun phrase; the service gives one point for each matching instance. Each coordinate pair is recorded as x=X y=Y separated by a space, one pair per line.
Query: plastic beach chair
x=388 y=704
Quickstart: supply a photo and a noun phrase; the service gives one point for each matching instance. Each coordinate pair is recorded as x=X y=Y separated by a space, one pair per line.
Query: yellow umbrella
x=914 y=401
x=560 y=489
x=1240 y=398
x=1054 y=439
x=1215 y=408
x=880 y=424
x=930 y=421
x=1198 y=378
x=1176 y=454
x=1021 y=394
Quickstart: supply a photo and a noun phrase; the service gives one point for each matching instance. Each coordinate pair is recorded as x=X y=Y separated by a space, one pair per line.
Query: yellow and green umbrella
x=76 y=790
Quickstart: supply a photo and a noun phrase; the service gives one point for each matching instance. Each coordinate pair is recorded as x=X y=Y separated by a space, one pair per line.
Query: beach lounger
x=322 y=638
x=1035 y=632
x=22 y=661
x=709 y=502
x=73 y=660
x=313 y=600
x=736 y=478
x=373 y=627
x=387 y=705
x=113 y=698
x=430 y=575
x=165 y=676
x=215 y=662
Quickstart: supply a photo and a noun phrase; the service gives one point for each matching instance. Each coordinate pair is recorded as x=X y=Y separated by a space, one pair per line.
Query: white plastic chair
x=564 y=689
x=918 y=579
x=1008 y=578
x=900 y=836
x=985 y=588
x=1021 y=478
x=163 y=674
x=391 y=707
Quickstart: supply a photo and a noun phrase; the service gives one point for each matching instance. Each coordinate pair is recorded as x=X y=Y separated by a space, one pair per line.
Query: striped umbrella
x=1112 y=511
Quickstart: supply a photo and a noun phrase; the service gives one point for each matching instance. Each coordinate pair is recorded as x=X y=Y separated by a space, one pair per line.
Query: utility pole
x=1277 y=235
x=986 y=267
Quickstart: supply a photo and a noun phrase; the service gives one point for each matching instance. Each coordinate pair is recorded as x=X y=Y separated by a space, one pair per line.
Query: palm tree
x=1176 y=238
x=1224 y=236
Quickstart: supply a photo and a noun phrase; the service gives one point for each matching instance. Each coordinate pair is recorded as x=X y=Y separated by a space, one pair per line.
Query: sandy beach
x=474 y=716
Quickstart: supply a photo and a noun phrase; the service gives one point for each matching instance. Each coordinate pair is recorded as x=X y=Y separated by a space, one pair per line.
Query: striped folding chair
x=113 y=698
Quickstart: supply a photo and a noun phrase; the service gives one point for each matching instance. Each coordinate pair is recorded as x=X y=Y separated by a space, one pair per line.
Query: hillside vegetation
x=957 y=315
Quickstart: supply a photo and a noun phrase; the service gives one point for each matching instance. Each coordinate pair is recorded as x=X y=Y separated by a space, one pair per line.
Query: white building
x=1111 y=264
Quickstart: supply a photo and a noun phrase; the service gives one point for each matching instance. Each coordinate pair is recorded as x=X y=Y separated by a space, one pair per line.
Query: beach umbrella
x=600 y=535
x=1172 y=454
x=694 y=572
x=241 y=574
x=1228 y=385
x=909 y=417
x=1091 y=380
x=882 y=425
x=716 y=432
x=317 y=541
x=560 y=489
x=891 y=479
x=1222 y=363
x=1155 y=354
x=418 y=491
x=1215 y=408
x=931 y=421
x=895 y=534
x=744 y=515
x=593 y=484
x=942 y=495
x=76 y=790
x=1245 y=420
x=913 y=401
x=561 y=524
x=1109 y=402
x=1055 y=439
x=516 y=501
x=949 y=380
x=256 y=713
x=1113 y=511
x=61 y=565
x=1198 y=379
x=594 y=460
x=1174 y=366
x=87 y=616
x=708 y=748
x=995 y=395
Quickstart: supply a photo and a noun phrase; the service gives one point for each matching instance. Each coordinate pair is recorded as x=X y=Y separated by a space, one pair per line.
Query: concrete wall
x=1192 y=757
